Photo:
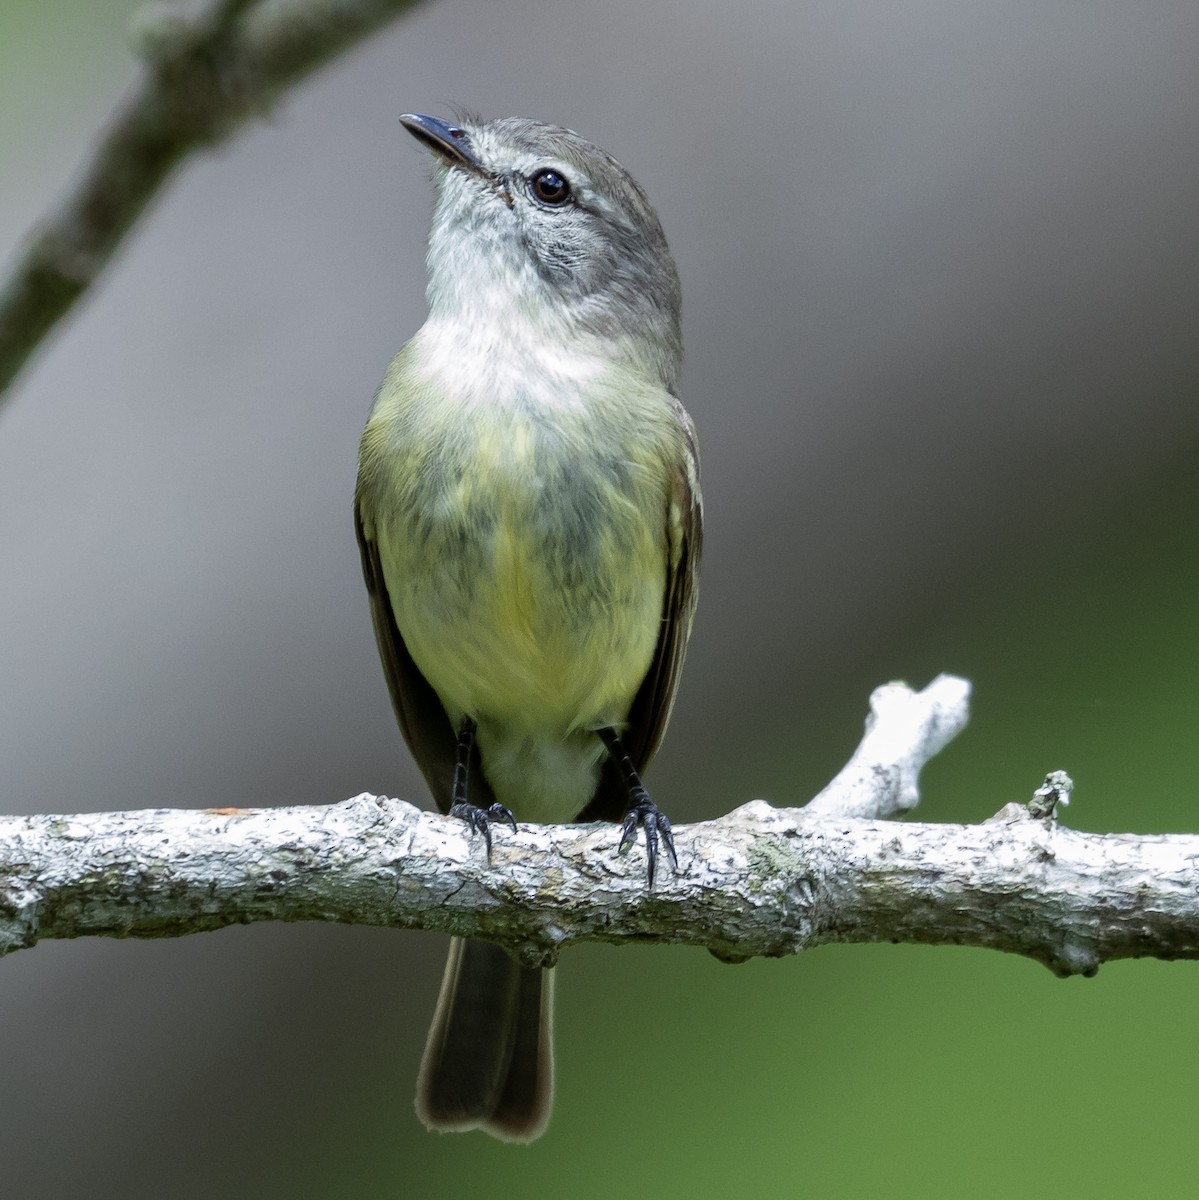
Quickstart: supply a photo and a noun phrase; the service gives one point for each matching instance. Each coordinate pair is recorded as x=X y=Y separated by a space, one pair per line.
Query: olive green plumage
x=529 y=516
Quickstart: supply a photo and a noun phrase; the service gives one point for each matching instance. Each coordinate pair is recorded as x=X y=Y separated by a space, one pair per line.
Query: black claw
x=642 y=811
x=502 y=815
x=480 y=820
x=668 y=840
x=628 y=833
x=648 y=816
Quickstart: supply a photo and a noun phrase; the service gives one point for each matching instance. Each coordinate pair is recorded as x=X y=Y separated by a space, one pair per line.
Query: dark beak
x=451 y=142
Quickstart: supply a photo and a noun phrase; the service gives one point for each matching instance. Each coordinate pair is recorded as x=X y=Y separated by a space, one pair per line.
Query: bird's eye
x=549 y=187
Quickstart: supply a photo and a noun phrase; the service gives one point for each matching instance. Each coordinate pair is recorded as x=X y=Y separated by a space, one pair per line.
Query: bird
x=530 y=522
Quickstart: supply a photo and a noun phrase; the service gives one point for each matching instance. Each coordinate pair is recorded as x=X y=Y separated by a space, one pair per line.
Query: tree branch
x=904 y=730
x=209 y=68
x=760 y=881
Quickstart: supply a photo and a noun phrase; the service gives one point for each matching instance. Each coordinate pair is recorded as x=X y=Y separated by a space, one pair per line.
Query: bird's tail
x=489 y=1060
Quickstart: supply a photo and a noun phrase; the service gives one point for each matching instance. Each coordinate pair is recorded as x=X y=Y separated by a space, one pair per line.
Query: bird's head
x=536 y=219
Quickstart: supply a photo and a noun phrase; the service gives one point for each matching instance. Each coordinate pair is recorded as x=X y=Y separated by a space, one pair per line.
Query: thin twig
x=207 y=71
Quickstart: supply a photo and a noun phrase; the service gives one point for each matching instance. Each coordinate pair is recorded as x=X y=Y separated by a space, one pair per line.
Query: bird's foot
x=480 y=820
x=645 y=814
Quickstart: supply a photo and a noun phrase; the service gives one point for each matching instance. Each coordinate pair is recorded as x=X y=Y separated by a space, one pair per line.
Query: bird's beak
x=450 y=142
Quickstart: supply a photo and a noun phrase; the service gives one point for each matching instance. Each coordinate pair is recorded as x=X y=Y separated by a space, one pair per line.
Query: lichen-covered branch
x=208 y=68
x=904 y=730
x=760 y=881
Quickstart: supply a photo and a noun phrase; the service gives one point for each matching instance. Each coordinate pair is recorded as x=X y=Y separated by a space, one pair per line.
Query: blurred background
x=939 y=266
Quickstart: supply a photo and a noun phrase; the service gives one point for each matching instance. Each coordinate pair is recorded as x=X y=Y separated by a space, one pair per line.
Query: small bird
x=529 y=516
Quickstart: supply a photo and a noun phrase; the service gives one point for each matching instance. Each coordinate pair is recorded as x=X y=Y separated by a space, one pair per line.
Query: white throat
x=494 y=332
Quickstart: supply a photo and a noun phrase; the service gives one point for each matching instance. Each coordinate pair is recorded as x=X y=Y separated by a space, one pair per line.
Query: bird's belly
x=537 y=661
x=532 y=607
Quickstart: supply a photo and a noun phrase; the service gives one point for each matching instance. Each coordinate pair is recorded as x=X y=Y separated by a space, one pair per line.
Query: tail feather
x=488 y=1063
x=523 y=1110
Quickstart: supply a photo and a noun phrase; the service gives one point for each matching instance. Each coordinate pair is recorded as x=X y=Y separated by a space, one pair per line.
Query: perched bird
x=529 y=516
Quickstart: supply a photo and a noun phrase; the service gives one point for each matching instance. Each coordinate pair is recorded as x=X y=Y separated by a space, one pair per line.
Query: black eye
x=549 y=187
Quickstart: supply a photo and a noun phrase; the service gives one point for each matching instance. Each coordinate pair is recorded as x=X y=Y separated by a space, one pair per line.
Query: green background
x=989 y=470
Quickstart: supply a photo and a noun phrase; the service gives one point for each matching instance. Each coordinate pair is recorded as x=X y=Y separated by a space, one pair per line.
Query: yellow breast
x=524 y=545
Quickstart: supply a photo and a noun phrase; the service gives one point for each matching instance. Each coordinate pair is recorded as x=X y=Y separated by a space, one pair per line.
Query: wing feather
x=651 y=707
x=423 y=720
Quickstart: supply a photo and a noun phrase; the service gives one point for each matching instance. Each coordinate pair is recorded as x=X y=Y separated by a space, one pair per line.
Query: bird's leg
x=642 y=811
x=479 y=819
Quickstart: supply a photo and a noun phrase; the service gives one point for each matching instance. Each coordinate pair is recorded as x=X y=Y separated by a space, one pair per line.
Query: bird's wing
x=650 y=710
x=423 y=720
